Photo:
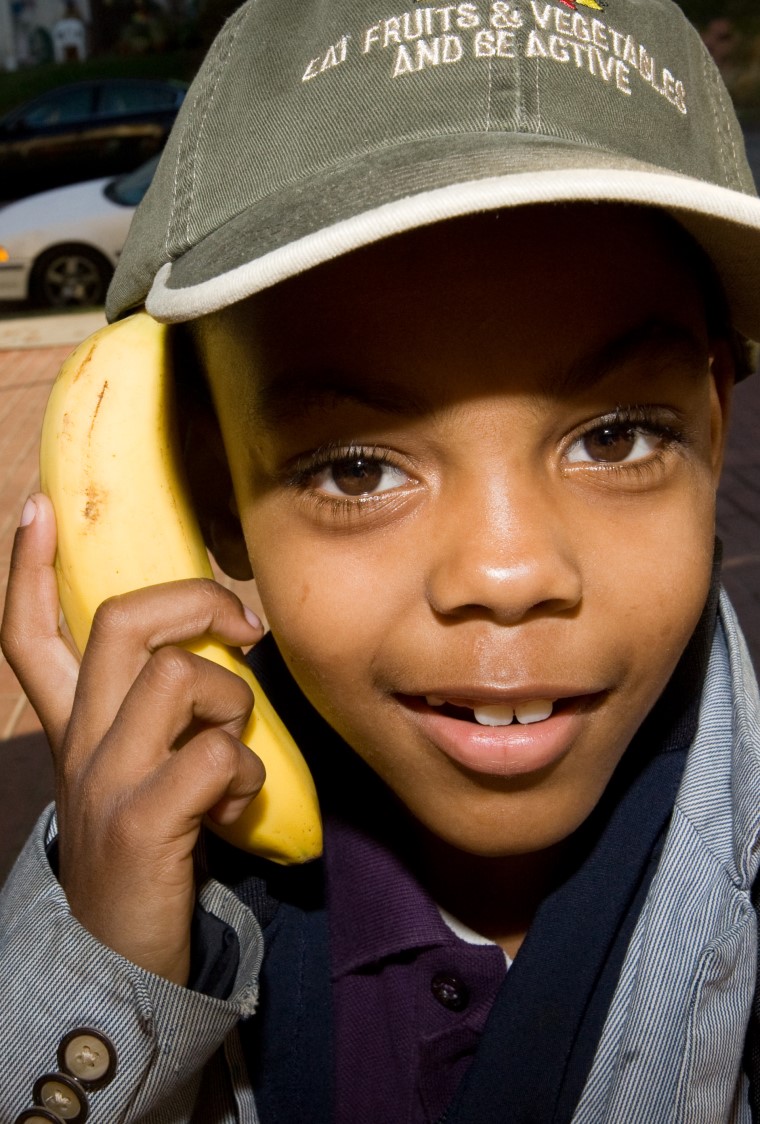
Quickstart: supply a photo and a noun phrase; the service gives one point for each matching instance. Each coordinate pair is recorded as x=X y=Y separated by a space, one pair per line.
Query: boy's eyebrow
x=294 y=394
x=654 y=339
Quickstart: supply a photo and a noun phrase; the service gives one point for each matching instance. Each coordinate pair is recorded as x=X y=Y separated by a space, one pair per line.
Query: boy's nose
x=509 y=557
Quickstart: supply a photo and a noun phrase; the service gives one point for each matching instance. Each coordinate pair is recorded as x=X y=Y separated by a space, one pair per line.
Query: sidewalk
x=25 y=380
x=60 y=330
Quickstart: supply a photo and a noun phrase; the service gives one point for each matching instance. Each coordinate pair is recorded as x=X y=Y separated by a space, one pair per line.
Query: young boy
x=465 y=290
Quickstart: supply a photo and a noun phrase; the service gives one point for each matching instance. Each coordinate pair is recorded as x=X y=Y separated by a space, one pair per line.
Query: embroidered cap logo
x=575 y=4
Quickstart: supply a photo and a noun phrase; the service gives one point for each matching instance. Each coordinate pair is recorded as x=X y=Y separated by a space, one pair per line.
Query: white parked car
x=59 y=249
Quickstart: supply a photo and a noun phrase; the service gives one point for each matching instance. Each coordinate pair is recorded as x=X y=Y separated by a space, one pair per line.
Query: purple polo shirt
x=410 y=997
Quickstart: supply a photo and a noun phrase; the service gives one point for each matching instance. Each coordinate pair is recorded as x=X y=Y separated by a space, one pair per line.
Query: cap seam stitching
x=708 y=82
x=712 y=85
x=170 y=226
x=188 y=152
x=221 y=62
x=727 y=126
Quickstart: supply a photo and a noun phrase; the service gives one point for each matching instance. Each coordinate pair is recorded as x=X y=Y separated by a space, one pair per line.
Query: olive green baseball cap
x=315 y=127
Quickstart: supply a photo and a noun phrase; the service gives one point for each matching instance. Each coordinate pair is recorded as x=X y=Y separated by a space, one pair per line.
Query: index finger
x=30 y=635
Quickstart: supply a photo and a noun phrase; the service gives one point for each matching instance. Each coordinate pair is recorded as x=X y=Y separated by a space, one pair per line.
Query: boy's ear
x=723 y=370
x=208 y=474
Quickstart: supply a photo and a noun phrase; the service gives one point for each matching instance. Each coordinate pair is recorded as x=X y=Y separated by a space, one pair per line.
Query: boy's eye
x=358 y=476
x=614 y=444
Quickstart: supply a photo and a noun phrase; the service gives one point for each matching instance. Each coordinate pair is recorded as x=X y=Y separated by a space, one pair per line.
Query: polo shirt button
x=88 y=1056
x=62 y=1096
x=450 y=991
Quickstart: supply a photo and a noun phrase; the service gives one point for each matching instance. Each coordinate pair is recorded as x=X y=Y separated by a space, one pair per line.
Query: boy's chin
x=506 y=832
x=494 y=849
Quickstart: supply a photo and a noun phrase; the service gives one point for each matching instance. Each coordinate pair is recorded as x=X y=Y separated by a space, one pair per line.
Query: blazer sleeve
x=134 y=1043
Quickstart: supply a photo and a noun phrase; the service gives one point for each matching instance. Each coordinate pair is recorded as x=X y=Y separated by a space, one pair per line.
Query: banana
x=109 y=463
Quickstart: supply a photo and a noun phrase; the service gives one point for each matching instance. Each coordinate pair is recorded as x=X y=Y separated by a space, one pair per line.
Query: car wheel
x=70 y=276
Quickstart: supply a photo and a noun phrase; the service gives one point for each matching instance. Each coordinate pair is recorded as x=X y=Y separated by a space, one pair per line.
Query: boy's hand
x=145 y=740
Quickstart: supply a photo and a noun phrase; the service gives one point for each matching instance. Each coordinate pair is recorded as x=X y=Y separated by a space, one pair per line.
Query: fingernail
x=250 y=616
x=28 y=513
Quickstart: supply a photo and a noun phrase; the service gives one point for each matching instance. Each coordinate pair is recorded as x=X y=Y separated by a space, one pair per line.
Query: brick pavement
x=25 y=379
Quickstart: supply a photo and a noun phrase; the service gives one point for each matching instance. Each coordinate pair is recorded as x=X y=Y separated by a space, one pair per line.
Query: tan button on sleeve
x=62 y=1096
x=88 y=1056
x=159 y=1035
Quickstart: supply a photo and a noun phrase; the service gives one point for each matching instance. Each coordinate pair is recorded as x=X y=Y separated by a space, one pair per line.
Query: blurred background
x=31 y=35
x=89 y=90
x=731 y=30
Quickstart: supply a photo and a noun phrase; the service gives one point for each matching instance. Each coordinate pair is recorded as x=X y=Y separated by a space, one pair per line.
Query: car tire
x=70 y=276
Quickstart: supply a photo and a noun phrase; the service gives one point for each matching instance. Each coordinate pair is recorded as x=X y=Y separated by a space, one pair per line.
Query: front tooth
x=534 y=710
x=434 y=700
x=496 y=715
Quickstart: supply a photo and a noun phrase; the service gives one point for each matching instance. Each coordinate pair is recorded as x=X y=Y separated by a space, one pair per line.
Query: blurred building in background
x=43 y=31
x=37 y=31
x=70 y=36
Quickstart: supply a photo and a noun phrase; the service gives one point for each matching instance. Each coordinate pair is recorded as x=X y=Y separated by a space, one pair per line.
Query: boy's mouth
x=523 y=711
x=495 y=734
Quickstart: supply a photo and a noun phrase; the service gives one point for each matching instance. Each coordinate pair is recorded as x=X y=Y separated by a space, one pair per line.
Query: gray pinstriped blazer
x=671 y=1048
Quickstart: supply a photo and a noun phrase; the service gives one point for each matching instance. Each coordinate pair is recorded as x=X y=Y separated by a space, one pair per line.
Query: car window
x=117 y=98
x=129 y=189
x=63 y=107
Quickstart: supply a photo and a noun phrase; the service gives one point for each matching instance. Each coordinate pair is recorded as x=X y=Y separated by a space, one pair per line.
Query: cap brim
x=400 y=189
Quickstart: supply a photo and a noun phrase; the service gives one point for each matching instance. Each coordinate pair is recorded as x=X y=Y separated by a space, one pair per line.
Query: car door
x=135 y=118
x=39 y=145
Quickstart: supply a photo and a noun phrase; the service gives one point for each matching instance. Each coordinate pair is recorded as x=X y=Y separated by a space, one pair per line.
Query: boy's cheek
x=344 y=632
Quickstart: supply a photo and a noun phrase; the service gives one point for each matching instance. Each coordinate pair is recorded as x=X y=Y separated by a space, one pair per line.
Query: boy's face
x=476 y=471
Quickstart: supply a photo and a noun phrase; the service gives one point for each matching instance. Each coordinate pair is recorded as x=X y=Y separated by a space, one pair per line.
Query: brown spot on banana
x=103 y=389
x=95 y=498
x=85 y=362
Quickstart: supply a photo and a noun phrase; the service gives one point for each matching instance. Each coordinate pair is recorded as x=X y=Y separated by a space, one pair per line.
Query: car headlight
x=4 y=255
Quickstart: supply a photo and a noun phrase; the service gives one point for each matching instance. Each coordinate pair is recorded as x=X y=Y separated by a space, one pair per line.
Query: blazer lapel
x=288 y=1043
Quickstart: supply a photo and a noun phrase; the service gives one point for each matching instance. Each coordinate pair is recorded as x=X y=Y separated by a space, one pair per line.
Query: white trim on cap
x=670 y=192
